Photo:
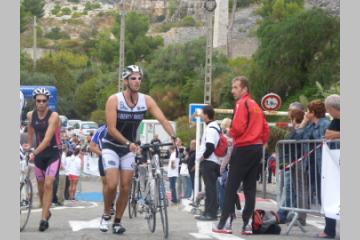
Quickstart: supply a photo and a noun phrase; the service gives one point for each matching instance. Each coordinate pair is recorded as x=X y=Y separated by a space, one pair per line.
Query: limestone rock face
x=331 y=5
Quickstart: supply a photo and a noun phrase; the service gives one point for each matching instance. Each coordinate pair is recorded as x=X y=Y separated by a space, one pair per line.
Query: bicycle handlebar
x=156 y=145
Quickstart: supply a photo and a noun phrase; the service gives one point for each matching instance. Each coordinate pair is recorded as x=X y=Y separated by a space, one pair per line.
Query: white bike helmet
x=131 y=69
x=41 y=91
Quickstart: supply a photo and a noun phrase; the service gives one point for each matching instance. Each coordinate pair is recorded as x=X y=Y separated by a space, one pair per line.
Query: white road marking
x=200 y=236
x=79 y=225
x=317 y=224
x=93 y=204
x=205 y=232
x=186 y=204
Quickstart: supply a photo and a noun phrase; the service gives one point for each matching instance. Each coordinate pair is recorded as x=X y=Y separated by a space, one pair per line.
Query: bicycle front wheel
x=132 y=204
x=163 y=206
x=26 y=193
x=151 y=217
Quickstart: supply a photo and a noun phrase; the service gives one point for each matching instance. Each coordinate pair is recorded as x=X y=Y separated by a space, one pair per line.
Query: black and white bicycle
x=154 y=194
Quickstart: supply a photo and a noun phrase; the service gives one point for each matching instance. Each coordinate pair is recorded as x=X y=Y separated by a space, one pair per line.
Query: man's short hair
x=244 y=82
x=333 y=101
x=209 y=111
x=297 y=106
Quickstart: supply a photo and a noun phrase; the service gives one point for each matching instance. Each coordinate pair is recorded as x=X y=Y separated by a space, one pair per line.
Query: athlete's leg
x=47 y=196
x=41 y=191
x=112 y=181
x=50 y=174
x=126 y=175
x=111 y=163
x=125 y=186
x=40 y=177
x=75 y=182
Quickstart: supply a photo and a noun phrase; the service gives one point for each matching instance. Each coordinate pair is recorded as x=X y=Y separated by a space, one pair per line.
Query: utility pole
x=34 y=44
x=122 y=44
x=230 y=29
x=210 y=6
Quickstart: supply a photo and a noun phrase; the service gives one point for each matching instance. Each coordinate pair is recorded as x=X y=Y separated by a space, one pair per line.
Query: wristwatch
x=128 y=144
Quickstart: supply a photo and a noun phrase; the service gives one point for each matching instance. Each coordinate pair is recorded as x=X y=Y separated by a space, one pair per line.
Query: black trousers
x=330 y=227
x=210 y=171
x=67 y=185
x=244 y=167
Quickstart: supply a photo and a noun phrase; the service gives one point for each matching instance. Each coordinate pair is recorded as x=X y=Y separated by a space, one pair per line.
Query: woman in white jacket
x=74 y=165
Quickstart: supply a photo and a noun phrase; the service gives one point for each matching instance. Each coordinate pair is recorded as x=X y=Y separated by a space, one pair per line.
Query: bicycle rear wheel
x=162 y=204
x=26 y=193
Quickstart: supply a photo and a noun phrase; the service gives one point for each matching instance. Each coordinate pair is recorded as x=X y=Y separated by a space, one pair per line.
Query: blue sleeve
x=96 y=138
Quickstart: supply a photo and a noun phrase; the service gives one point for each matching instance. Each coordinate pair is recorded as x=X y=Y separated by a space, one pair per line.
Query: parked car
x=74 y=123
x=86 y=127
x=64 y=122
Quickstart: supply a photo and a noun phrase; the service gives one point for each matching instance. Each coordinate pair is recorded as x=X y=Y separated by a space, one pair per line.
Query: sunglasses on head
x=41 y=100
x=135 y=78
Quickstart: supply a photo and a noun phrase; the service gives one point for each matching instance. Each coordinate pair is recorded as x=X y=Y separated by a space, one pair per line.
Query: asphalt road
x=80 y=220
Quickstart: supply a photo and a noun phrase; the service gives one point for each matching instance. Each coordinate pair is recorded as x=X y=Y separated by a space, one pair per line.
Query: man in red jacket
x=250 y=131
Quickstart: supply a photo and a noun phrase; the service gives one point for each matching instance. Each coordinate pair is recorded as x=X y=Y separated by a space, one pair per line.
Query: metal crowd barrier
x=298 y=174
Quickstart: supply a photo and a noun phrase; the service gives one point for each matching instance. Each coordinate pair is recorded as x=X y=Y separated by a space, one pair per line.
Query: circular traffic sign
x=271 y=102
x=210 y=5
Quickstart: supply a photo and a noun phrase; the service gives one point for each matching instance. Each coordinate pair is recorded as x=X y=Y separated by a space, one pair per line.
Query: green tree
x=24 y=18
x=34 y=7
x=296 y=51
x=138 y=45
x=183 y=130
x=85 y=98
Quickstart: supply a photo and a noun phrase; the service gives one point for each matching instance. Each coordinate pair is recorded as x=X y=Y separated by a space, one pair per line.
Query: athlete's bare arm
x=31 y=131
x=94 y=148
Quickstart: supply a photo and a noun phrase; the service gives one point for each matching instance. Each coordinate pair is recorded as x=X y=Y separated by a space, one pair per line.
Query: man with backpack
x=250 y=132
x=209 y=164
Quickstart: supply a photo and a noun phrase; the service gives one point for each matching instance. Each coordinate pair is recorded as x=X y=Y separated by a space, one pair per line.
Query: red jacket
x=249 y=125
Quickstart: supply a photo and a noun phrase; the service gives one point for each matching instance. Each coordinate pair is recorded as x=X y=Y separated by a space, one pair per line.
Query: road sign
x=193 y=107
x=271 y=102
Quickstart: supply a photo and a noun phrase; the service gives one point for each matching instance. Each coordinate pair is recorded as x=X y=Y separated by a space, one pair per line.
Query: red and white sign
x=271 y=102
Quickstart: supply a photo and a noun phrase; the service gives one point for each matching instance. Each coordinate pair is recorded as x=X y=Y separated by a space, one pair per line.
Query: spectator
x=209 y=163
x=156 y=139
x=173 y=173
x=250 y=132
x=74 y=167
x=332 y=104
x=296 y=116
x=314 y=126
x=180 y=181
x=224 y=162
x=191 y=162
x=185 y=175
x=62 y=177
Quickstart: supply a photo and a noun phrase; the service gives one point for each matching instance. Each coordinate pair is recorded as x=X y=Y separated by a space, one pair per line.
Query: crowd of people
x=58 y=156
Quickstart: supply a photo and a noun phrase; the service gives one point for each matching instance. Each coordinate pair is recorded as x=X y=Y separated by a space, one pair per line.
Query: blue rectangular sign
x=192 y=109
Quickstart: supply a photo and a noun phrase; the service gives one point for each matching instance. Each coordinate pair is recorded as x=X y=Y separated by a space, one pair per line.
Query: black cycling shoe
x=118 y=228
x=43 y=225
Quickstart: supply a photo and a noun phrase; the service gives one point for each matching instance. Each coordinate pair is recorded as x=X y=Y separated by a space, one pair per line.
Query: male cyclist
x=45 y=125
x=124 y=112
